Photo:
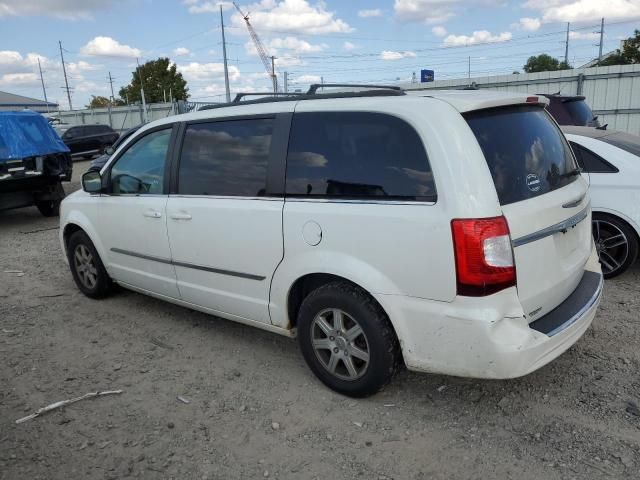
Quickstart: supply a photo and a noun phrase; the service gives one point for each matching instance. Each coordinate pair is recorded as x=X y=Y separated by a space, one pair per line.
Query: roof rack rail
x=241 y=95
x=314 y=87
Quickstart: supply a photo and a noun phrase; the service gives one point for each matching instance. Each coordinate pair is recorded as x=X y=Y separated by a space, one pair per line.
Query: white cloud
x=297 y=16
x=349 y=46
x=108 y=47
x=435 y=11
x=439 y=31
x=584 y=35
x=391 y=55
x=288 y=61
x=19 y=79
x=65 y=9
x=584 y=10
x=528 y=24
x=181 y=52
x=207 y=72
x=308 y=79
x=479 y=36
x=295 y=44
x=370 y=13
x=195 y=6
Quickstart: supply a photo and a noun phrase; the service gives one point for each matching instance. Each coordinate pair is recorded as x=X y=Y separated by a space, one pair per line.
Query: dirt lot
x=256 y=411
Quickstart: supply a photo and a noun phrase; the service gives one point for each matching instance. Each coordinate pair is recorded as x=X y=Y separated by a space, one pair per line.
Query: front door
x=225 y=232
x=132 y=223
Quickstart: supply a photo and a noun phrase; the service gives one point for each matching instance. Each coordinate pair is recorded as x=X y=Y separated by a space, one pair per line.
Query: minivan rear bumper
x=490 y=337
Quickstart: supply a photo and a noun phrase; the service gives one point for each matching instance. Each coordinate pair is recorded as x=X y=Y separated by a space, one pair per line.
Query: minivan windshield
x=526 y=153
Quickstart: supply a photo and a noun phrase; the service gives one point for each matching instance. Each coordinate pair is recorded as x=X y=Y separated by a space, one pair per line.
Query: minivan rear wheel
x=616 y=244
x=347 y=340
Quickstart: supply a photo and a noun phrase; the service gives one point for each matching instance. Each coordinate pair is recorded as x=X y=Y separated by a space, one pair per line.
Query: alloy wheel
x=612 y=245
x=85 y=266
x=340 y=344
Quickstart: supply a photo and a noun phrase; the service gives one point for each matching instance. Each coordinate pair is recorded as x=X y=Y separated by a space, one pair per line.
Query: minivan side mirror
x=92 y=182
x=109 y=150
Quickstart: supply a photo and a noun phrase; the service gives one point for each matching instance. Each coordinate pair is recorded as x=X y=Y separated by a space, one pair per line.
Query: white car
x=610 y=161
x=449 y=232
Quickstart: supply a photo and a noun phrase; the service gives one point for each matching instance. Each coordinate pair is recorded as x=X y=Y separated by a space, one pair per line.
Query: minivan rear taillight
x=484 y=258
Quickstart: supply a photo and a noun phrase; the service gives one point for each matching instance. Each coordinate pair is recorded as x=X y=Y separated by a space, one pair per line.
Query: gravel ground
x=254 y=409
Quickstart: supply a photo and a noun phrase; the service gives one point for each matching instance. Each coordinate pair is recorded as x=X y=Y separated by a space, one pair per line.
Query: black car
x=98 y=163
x=87 y=140
x=571 y=110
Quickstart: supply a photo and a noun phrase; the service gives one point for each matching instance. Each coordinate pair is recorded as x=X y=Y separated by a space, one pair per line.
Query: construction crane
x=267 y=61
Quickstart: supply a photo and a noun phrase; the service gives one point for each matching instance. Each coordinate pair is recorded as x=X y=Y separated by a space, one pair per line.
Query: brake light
x=484 y=257
x=533 y=100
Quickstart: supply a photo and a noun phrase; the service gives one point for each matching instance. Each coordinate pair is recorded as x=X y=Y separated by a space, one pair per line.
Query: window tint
x=140 y=169
x=357 y=154
x=580 y=112
x=526 y=153
x=590 y=162
x=225 y=158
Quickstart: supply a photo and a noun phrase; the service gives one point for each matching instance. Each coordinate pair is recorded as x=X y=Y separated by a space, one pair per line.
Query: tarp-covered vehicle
x=34 y=162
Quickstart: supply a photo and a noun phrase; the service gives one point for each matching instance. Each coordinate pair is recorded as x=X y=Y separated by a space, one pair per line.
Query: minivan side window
x=140 y=169
x=357 y=155
x=590 y=162
x=225 y=158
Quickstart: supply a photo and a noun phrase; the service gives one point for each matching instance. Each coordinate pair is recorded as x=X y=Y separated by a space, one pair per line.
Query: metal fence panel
x=612 y=92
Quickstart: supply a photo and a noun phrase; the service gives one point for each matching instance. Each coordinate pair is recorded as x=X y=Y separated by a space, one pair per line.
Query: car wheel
x=86 y=267
x=49 y=208
x=616 y=243
x=347 y=339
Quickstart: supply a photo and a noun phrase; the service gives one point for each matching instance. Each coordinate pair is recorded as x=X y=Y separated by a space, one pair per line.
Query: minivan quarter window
x=140 y=169
x=226 y=158
x=357 y=155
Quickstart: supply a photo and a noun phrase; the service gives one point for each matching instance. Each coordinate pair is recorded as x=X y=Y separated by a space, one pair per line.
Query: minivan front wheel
x=347 y=339
x=86 y=267
x=616 y=244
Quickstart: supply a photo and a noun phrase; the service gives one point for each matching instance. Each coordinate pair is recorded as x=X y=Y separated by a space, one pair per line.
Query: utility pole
x=322 y=83
x=144 y=103
x=44 y=91
x=469 y=71
x=601 y=39
x=66 y=82
x=273 y=74
x=286 y=81
x=566 y=46
x=111 y=83
x=224 y=55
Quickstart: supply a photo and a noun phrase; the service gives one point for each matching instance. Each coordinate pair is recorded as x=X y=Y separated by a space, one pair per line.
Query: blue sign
x=426 y=75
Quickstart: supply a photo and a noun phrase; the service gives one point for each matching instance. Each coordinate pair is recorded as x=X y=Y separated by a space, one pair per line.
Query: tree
x=544 y=63
x=630 y=52
x=159 y=77
x=103 y=102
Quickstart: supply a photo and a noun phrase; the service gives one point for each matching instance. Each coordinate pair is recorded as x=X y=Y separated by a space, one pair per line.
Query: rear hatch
x=543 y=198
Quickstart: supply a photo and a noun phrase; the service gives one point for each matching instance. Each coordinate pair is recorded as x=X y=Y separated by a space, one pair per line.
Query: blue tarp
x=27 y=134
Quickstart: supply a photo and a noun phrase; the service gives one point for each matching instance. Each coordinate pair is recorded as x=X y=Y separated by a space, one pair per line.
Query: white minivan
x=449 y=231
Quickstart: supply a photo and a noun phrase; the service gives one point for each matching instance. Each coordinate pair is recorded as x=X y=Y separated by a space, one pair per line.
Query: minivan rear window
x=580 y=112
x=526 y=153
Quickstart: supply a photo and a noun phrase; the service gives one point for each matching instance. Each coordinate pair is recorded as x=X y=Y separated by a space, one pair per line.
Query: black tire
x=614 y=260
x=80 y=243
x=361 y=309
x=49 y=208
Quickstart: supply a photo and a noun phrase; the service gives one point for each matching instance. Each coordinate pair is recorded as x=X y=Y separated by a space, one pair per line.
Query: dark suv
x=87 y=140
x=571 y=110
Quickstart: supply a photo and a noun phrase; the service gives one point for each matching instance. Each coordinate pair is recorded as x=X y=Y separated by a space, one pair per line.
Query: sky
x=375 y=41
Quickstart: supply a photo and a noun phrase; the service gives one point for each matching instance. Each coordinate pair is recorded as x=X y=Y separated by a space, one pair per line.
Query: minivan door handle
x=180 y=216
x=151 y=213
